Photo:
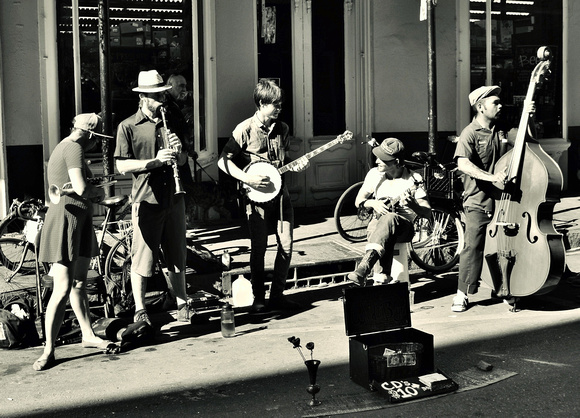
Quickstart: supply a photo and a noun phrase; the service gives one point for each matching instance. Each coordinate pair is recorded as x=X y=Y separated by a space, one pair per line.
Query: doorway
x=301 y=45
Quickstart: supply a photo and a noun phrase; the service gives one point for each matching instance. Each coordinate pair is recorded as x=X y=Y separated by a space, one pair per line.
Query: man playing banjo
x=258 y=140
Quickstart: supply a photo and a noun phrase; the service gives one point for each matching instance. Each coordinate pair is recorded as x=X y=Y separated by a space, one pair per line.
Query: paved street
x=193 y=371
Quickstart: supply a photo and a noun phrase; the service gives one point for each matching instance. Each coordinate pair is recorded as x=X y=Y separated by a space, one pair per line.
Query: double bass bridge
x=510 y=229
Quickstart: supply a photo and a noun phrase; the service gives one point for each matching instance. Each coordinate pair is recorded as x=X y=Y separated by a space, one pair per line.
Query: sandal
x=44 y=363
x=106 y=346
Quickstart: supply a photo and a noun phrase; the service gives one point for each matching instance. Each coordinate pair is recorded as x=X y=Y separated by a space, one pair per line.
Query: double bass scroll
x=524 y=254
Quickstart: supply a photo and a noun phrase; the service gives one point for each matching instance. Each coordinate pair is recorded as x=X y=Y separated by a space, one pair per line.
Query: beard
x=151 y=106
x=154 y=107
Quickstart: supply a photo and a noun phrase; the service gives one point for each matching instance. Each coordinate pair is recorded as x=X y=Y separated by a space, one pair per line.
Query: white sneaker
x=459 y=304
x=380 y=278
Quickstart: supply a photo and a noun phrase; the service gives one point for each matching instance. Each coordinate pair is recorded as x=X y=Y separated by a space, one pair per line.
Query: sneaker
x=141 y=315
x=185 y=313
x=282 y=303
x=380 y=278
x=459 y=304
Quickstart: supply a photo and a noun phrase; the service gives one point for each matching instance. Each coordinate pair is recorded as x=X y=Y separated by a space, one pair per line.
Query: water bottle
x=242 y=294
x=226 y=260
x=228 y=321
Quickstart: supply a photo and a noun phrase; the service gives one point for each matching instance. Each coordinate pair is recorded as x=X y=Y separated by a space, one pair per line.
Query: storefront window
x=144 y=35
x=518 y=29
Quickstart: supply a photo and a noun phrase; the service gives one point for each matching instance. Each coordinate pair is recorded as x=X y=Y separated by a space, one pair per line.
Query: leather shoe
x=356 y=279
x=258 y=306
x=283 y=304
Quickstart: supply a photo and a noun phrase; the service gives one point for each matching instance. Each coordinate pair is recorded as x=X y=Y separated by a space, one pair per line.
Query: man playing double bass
x=478 y=150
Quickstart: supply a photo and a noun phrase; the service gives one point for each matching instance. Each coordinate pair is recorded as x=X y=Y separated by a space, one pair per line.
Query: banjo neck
x=263 y=195
x=311 y=154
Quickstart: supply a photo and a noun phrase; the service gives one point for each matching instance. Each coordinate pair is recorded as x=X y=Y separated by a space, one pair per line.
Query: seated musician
x=389 y=182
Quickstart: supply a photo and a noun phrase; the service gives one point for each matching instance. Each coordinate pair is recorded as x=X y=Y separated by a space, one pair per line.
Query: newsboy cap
x=483 y=92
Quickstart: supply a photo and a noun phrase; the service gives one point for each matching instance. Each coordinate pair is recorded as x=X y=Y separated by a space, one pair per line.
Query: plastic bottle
x=228 y=321
x=226 y=260
x=242 y=294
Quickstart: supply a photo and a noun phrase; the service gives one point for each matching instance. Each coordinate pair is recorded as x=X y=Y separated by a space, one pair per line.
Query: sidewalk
x=316 y=229
x=192 y=370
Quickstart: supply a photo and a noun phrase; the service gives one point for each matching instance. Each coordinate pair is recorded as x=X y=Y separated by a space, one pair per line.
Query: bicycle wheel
x=118 y=278
x=438 y=241
x=14 y=247
x=351 y=224
x=16 y=256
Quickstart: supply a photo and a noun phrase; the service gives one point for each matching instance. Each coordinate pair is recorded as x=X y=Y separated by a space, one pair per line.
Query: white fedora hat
x=150 y=82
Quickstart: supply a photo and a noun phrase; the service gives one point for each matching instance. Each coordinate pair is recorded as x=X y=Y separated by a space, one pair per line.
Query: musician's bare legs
x=139 y=286
x=63 y=287
x=79 y=301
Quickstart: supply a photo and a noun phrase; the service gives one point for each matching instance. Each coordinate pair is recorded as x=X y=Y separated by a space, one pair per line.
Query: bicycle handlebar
x=28 y=209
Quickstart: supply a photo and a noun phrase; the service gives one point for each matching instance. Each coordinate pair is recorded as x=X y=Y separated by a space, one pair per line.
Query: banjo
x=265 y=168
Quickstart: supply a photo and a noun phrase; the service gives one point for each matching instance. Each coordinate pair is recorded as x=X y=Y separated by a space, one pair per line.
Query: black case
x=376 y=318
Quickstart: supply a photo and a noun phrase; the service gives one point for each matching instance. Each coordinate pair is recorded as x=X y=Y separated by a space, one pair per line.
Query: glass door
x=301 y=45
x=505 y=36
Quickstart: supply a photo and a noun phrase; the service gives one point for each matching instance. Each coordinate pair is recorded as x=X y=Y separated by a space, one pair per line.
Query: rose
x=296 y=343
x=310 y=346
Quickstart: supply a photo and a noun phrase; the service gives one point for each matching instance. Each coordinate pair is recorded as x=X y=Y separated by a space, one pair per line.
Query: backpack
x=17 y=327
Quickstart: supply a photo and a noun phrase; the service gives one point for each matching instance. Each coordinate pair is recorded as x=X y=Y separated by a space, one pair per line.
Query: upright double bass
x=524 y=254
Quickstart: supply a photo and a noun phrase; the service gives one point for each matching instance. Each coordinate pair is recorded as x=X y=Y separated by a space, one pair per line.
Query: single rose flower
x=310 y=346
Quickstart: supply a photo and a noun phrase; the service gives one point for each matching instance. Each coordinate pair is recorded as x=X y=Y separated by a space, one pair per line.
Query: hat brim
x=102 y=135
x=382 y=155
x=151 y=89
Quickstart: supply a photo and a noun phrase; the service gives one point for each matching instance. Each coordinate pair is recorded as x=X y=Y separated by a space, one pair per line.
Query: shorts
x=155 y=226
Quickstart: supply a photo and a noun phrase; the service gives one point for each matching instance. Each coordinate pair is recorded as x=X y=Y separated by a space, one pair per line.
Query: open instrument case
x=385 y=352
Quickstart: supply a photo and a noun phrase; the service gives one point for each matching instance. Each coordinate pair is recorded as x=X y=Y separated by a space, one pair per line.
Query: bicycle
x=439 y=239
x=19 y=230
x=17 y=233
x=117 y=273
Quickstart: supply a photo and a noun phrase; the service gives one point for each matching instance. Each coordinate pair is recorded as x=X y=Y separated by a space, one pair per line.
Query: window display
x=518 y=29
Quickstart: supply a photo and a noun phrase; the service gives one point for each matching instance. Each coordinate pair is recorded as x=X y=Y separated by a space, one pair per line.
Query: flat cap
x=483 y=92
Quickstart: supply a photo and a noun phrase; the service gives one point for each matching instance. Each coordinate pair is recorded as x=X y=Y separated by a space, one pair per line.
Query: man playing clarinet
x=158 y=213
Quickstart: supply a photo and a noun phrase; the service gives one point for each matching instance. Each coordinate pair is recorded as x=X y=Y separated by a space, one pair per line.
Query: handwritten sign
x=412 y=388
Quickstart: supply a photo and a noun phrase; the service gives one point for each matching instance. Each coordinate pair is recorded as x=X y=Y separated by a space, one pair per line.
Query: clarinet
x=178 y=187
